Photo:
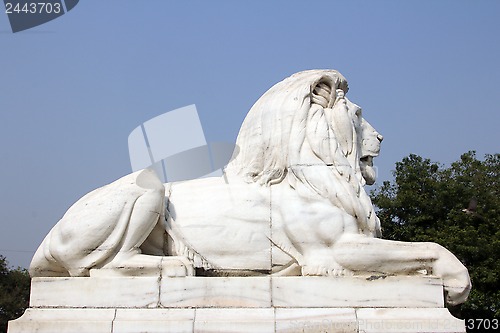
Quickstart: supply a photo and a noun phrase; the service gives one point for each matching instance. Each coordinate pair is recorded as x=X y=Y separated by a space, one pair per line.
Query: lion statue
x=290 y=202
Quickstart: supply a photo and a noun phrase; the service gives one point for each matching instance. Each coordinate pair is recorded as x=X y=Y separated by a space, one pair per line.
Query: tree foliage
x=429 y=202
x=14 y=293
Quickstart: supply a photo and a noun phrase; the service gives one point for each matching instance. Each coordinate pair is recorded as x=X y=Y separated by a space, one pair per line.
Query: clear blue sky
x=427 y=74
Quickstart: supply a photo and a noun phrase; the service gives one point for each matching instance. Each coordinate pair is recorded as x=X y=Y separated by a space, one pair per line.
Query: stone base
x=237 y=320
x=237 y=304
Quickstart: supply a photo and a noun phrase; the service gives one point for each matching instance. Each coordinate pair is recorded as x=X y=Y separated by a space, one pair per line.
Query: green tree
x=456 y=206
x=14 y=293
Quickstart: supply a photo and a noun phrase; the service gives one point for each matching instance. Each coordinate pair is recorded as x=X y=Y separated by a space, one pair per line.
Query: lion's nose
x=380 y=137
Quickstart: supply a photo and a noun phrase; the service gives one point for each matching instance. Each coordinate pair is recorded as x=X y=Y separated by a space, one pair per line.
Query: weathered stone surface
x=236 y=320
x=287 y=240
x=154 y=320
x=129 y=292
x=408 y=320
x=358 y=292
x=316 y=320
x=64 y=320
x=224 y=292
x=238 y=292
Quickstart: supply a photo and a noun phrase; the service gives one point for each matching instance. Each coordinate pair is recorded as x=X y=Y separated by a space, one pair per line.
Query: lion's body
x=289 y=193
x=209 y=222
x=291 y=201
x=230 y=225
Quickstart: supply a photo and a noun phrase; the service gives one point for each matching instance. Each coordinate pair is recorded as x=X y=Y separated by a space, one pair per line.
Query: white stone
x=359 y=292
x=222 y=292
x=220 y=225
x=154 y=320
x=137 y=292
x=236 y=320
x=231 y=320
x=248 y=292
x=64 y=320
x=311 y=320
x=237 y=304
x=408 y=320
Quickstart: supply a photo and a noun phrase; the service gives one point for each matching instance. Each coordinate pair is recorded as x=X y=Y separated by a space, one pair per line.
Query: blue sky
x=426 y=73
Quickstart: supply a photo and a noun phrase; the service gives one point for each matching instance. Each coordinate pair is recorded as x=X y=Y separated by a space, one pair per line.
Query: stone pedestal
x=237 y=304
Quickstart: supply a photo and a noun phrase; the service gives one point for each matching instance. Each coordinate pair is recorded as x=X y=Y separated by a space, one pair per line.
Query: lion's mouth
x=367 y=170
x=367 y=160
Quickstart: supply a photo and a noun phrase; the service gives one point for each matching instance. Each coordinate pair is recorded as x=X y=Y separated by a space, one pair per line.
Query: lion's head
x=306 y=119
x=276 y=127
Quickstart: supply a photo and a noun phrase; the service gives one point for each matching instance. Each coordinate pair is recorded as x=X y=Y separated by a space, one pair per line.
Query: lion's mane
x=282 y=125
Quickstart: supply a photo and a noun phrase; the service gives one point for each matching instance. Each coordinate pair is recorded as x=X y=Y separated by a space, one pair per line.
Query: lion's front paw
x=456 y=279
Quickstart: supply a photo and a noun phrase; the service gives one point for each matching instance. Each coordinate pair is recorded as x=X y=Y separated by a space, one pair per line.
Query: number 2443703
x=33 y=8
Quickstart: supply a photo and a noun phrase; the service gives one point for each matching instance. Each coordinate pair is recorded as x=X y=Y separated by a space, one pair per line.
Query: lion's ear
x=323 y=94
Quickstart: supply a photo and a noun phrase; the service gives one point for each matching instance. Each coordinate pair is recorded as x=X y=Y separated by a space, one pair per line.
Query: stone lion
x=291 y=202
